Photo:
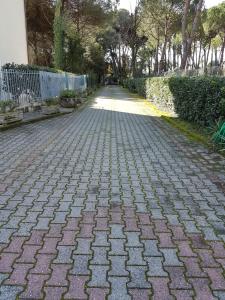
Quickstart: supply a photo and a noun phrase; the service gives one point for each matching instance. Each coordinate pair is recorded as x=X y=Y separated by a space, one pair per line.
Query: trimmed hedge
x=197 y=99
x=26 y=68
x=136 y=85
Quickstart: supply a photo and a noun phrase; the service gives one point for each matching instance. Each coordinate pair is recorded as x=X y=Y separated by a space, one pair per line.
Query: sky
x=130 y=4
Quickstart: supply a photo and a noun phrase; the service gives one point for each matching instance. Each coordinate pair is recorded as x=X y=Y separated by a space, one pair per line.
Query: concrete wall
x=13 y=40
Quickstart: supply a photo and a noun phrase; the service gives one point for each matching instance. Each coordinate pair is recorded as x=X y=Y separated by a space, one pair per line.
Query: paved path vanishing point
x=110 y=203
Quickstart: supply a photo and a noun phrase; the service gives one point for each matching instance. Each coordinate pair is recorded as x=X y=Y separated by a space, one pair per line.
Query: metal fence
x=25 y=87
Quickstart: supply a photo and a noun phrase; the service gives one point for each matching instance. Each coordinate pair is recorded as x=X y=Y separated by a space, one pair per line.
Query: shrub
x=197 y=99
x=52 y=101
x=7 y=104
x=26 y=68
x=68 y=94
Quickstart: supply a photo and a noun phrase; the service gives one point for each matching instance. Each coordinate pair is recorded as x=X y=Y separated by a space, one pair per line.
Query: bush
x=68 y=94
x=26 y=68
x=52 y=101
x=7 y=105
x=197 y=99
x=137 y=85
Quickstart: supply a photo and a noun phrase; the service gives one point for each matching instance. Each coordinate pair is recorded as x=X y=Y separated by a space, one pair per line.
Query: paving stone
x=201 y=287
x=140 y=294
x=97 y=293
x=5 y=235
x=49 y=246
x=83 y=246
x=119 y=288
x=219 y=295
x=177 y=278
x=155 y=267
x=64 y=255
x=117 y=247
x=34 y=288
x=217 y=278
x=100 y=256
x=80 y=265
x=158 y=291
x=183 y=294
x=101 y=239
x=118 y=267
x=138 y=277
x=136 y=257
x=36 y=238
x=147 y=232
x=15 y=245
x=55 y=293
x=171 y=258
x=151 y=248
x=193 y=267
x=185 y=249
x=98 y=276
x=3 y=277
x=76 y=287
x=43 y=262
x=110 y=201
x=117 y=231
x=19 y=274
x=133 y=239
x=10 y=292
x=59 y=275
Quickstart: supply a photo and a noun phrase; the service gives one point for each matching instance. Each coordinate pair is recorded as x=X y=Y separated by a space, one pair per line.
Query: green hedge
x=26 y=68
x=197 y=99
x=136 y=85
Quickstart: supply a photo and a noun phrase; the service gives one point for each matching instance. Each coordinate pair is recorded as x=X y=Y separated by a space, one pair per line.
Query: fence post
x=67 y=81
x=85 y=82
x=41 y=80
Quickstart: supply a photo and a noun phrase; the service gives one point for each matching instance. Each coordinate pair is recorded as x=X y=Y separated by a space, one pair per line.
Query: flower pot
x=69 y=102
x=11 y=117
x=50 y=110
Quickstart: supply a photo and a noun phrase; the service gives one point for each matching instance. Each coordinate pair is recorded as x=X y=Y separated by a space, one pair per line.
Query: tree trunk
x=184 y=33
x=174 y=57
x=222 y=53
x=187 y=42
x=163 y=57
x=156 y=67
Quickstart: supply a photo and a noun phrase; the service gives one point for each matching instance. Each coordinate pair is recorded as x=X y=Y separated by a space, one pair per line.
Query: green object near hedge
x=219 y=136
x=200 y=100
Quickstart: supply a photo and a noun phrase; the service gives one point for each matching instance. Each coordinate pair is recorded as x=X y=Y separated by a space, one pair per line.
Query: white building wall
x=13 y=40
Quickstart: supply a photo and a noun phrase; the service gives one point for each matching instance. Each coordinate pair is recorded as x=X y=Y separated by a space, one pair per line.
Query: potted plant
x=51 y=106
x=70 y=98
x=8 y=113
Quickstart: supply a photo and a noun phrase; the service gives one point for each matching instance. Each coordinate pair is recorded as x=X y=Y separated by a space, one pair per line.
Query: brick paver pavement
x=110 y=203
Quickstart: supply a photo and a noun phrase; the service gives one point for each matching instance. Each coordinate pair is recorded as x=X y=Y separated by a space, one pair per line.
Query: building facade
x=13 y=36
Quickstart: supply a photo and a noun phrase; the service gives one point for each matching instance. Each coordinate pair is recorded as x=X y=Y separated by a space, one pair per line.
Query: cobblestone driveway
x=110 y=203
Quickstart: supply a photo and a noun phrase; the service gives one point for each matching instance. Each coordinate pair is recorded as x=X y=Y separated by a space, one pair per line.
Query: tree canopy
x=96 y=36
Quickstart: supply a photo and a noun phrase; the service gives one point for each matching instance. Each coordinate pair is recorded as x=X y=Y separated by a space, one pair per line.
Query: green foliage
x=25 y=68
x=52 y=101
x=58 y=36
x=92 y=81
x=136 y=85
x=74 y=56
x=196 y=99
x=72 y=94
x=68 y=94
x=6 y=104
x=219 y=135
x=222 y=106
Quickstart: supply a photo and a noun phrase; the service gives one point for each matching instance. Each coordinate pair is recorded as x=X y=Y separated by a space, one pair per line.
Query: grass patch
x=192 y=131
